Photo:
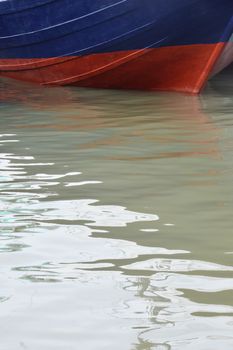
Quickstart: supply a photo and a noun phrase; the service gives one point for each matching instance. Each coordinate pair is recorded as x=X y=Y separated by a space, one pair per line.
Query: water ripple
x=115 y=214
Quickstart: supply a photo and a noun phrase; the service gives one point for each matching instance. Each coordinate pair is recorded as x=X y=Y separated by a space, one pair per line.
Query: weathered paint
x=131 y=44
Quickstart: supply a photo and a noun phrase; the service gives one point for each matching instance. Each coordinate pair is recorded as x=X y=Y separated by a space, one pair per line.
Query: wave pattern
x=115 y=214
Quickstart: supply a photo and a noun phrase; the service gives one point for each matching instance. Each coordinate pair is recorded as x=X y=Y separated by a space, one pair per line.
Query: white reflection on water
x=115 y=228
x=51 y=242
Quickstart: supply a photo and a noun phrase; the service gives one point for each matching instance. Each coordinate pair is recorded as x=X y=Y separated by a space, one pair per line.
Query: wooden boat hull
x=128 y=44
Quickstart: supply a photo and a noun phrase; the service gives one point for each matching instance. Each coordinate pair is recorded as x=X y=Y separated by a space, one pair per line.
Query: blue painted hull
x=54 y=29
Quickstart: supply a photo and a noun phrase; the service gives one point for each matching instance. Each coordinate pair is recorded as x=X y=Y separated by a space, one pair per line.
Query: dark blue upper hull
x=140 y=44
x=55 y=28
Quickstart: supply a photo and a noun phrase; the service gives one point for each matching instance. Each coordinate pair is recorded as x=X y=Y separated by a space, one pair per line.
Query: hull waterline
x=126 y=44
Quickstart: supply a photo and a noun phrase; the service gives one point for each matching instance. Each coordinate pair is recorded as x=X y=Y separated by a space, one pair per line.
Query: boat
x=171 y=45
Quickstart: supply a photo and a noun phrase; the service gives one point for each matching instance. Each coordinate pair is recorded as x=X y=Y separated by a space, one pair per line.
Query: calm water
x=116 y=215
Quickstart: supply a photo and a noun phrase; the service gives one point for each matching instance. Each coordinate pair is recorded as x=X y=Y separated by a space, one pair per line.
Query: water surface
x=116 y=219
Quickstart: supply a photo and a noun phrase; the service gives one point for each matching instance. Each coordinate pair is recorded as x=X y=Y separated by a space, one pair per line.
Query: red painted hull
x=178 y=68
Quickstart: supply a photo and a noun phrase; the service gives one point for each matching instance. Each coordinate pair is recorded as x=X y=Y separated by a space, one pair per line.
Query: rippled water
x=116 y=219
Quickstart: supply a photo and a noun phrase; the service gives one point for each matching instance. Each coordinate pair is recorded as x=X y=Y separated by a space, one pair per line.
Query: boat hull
x=225 y=58
x=126 y=44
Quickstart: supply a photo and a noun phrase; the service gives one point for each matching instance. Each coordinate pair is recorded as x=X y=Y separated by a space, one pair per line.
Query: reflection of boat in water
x=91 y=110
x=162 y=149
x=127 y=44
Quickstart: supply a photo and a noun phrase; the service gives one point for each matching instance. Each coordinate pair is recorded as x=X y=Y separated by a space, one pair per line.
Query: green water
x=116 y=219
